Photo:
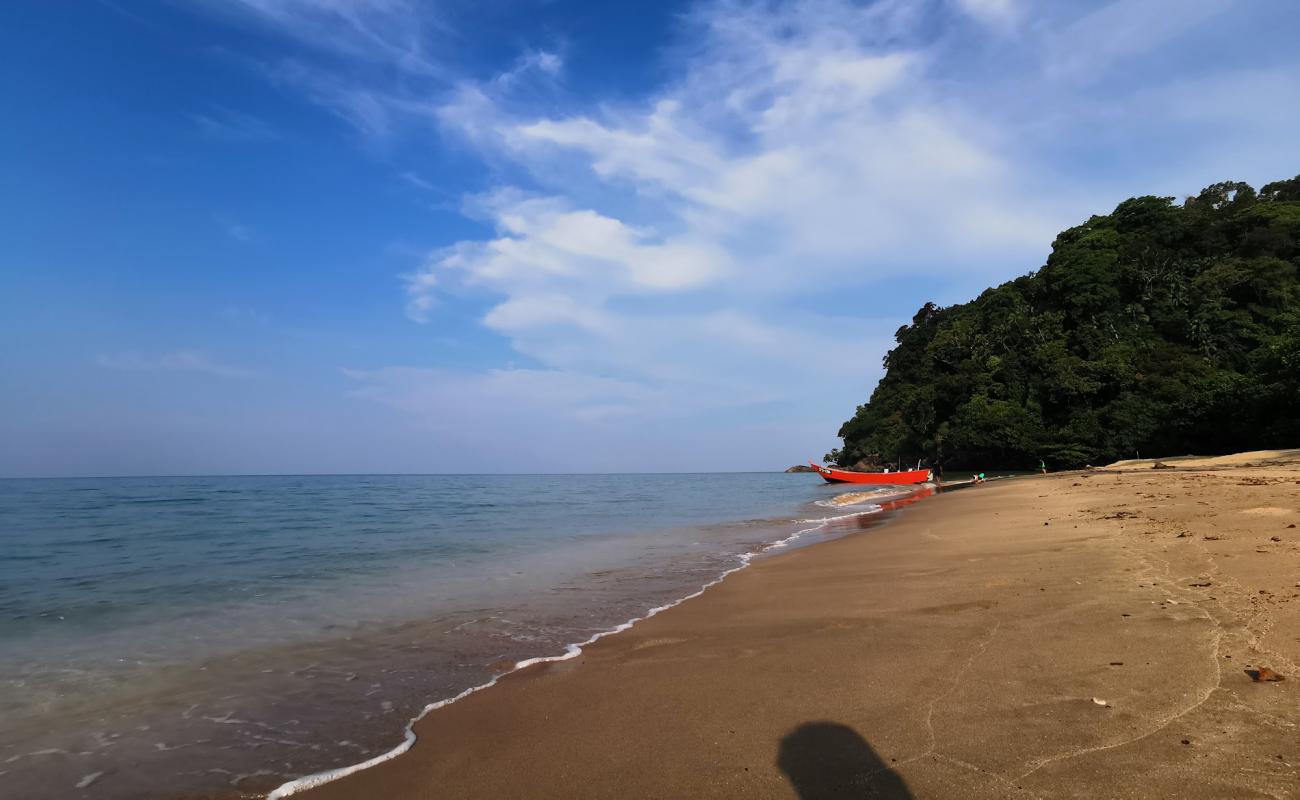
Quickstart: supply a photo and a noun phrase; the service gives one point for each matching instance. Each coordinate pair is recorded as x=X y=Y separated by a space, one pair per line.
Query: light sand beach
x=1085 y=634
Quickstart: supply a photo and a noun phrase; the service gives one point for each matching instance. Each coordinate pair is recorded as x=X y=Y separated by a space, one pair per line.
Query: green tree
x=1157 y=328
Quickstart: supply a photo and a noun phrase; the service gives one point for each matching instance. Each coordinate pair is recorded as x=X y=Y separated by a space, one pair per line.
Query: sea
x=222 y=636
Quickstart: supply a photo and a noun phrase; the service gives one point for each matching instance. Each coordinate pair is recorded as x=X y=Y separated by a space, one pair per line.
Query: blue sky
x=254 y=236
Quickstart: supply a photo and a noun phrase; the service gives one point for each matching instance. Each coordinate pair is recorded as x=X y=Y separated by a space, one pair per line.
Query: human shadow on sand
x=829 y=761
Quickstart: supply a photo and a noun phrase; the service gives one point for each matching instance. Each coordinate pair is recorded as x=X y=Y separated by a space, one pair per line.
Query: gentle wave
x=872 y=509
x=571 y=651
x=861 y=496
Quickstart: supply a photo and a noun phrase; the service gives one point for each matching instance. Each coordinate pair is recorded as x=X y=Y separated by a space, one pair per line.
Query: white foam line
x=871 y=509
x=570 y=651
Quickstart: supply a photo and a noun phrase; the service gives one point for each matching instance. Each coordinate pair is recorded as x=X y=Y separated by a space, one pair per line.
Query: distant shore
x=1074 y=635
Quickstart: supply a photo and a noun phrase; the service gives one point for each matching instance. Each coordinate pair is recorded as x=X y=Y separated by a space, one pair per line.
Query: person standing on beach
x=1042 y=466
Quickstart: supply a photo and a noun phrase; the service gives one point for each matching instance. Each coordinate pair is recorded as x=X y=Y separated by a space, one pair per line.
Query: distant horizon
x=270 y=237
x=378 y=475
x=785 y=470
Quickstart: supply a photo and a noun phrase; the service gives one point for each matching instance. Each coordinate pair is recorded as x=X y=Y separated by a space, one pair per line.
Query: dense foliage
x=1158 y=329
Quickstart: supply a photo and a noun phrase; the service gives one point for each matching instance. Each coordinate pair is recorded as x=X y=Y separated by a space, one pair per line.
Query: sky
x=358 y=236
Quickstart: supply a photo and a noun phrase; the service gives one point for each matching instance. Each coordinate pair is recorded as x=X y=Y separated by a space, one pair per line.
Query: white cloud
x=550 y=63
x=1001 y=14
x=547 y=249
x=175 y=361
x=824 y=150
x=648 y=147
x=547 y=64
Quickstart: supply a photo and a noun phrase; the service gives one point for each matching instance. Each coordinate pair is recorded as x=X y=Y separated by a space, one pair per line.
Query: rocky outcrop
x=801 y=468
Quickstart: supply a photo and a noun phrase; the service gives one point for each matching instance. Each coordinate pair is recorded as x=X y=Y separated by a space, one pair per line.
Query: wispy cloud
x=388 y=32
x=367 y=110
x=367 y=62
x=1104 y=38
x=453 y=401
x=234 y=126
x=531 y=64
x=174 y=361
x=245 y=316
x=413 y=179
x=236 y=230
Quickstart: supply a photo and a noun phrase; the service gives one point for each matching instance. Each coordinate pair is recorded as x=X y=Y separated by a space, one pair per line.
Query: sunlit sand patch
x=1268 y=511
x=1256 y=458
x=658 y=642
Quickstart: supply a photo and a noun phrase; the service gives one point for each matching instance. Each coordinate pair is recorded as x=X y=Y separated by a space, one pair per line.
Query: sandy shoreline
x=962 y=649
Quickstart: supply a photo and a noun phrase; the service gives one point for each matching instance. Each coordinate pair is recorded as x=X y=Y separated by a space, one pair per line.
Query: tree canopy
x=1157 y=329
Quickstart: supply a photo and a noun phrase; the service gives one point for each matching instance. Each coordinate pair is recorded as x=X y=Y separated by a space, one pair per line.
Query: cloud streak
x=1103 y=39
x=174 y=361
x=228 y=125
x=384 y=32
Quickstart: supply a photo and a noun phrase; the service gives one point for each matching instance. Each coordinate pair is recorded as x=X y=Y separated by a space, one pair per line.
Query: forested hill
x=1157 y=329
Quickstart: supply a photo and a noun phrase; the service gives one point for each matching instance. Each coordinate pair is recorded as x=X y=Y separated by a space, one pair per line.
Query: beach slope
x=1074 y=635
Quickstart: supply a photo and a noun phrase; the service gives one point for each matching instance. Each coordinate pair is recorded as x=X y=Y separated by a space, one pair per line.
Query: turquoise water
x=229 y=633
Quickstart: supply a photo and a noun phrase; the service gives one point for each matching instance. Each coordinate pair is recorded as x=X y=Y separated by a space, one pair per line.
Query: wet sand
x=1071 y=635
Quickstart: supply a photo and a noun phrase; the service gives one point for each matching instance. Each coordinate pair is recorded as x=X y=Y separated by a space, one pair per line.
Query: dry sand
x=963 y=650
x=1255 y=458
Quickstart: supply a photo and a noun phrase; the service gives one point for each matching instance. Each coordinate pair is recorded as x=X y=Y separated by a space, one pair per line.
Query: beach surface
x=1085 y=634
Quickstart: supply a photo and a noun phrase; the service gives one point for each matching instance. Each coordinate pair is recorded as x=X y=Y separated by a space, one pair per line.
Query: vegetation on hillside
x=1156 y=329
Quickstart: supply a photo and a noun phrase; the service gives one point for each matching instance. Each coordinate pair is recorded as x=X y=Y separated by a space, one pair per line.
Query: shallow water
x=205 y=635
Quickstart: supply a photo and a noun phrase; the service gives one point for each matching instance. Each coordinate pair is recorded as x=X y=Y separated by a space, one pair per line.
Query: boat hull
x=832 y=475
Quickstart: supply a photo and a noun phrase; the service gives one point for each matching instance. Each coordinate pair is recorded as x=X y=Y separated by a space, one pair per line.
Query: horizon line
x=375 y=474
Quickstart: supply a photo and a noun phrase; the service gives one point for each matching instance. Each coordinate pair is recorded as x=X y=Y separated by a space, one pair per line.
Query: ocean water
x=218 y=636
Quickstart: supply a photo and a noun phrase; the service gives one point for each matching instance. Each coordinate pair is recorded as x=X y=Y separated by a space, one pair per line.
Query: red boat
x=833 y=475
